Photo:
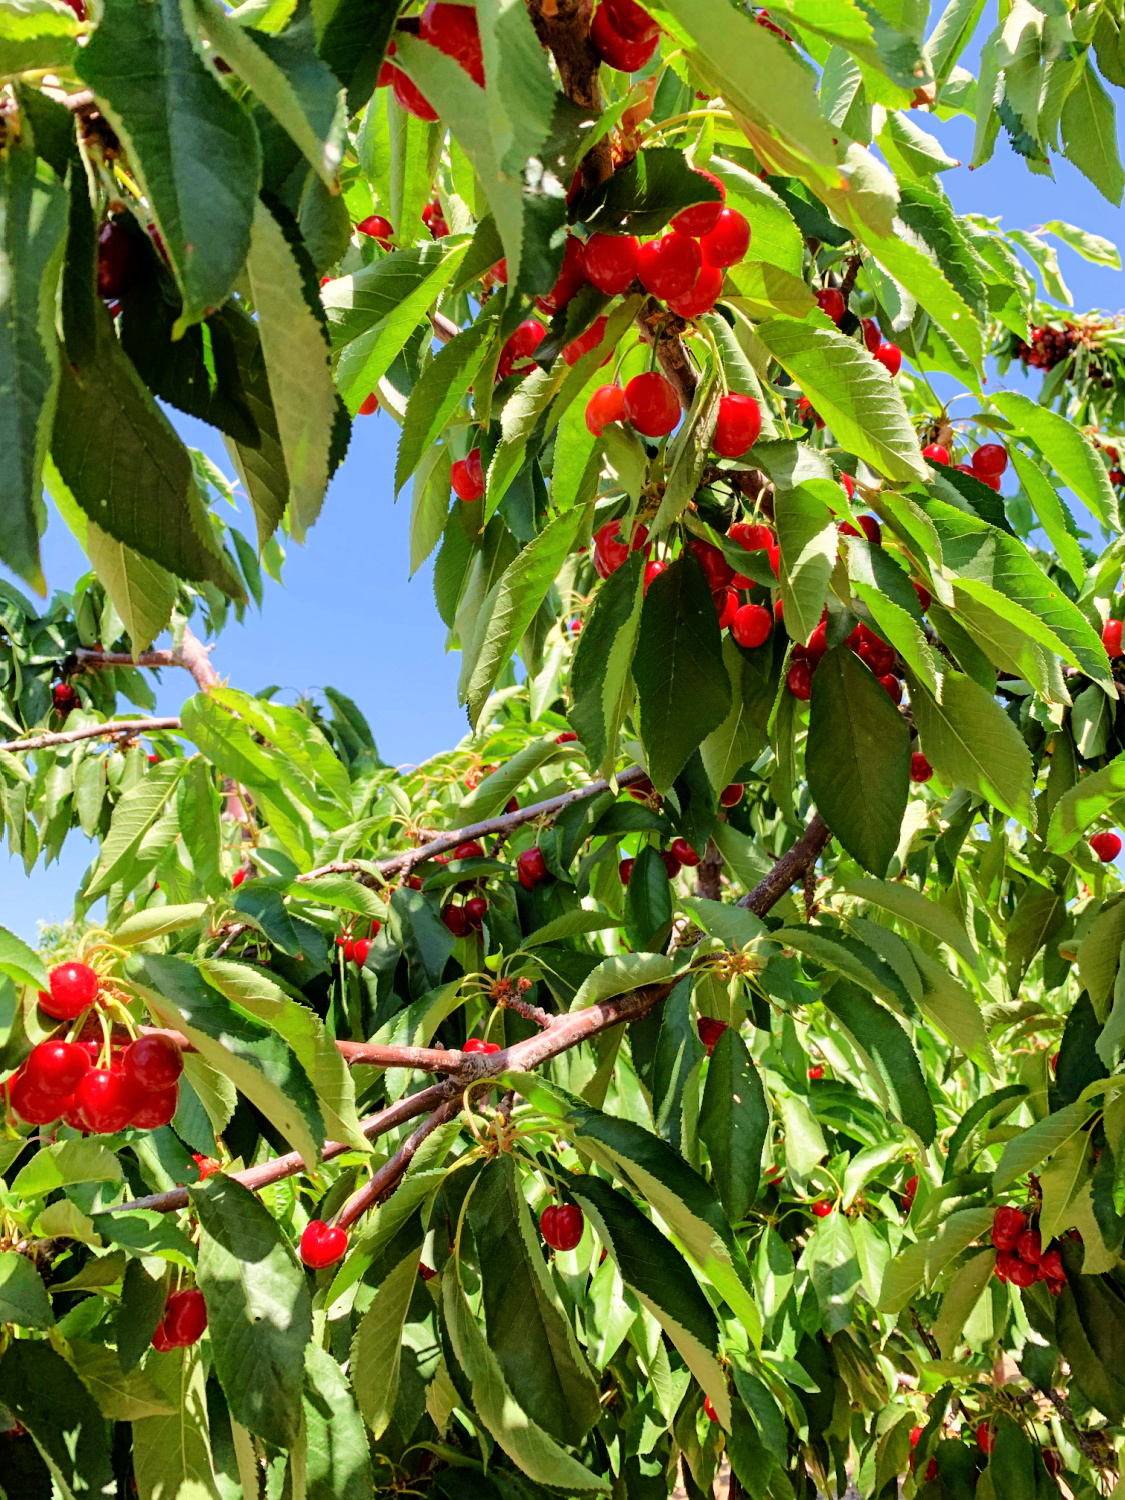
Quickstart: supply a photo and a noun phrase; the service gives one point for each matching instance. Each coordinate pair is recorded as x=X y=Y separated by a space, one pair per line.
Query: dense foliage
x=718 y=1054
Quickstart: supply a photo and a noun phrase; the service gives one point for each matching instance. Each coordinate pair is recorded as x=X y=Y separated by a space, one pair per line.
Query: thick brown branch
x=790 y=867
x=262 y=1176
x=191 y=654
x=660 y=327
x=390 y=1174
x=708 y=874
x=563 y=27
x=427 y=1059
x=127 y=727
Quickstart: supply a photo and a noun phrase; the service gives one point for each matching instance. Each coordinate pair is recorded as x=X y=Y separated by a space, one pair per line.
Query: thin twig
x=114 y=727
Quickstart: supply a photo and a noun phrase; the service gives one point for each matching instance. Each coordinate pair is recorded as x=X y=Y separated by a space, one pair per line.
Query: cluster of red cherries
x=469 y=916
x=675 y=857
x=63 y=698
x=66 y=1079
x=183 y=1322
x=1020 y=1256
x=355 y=950
x=988 y=463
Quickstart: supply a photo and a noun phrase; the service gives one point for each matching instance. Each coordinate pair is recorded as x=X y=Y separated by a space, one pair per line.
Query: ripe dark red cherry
x=376 y=228
x=520 y=347
x=532 y=865
x=571 y=278
x=870 y=527
x=652 y=570
x=719 y=572
x=651 y=404
x=1051 y=1267
x=669 y=266
x=185 y=1318
x=616 y=50
x=892 y=686
x=920 y=768
x=1052 y=1462
x=726 y=605
x=624 y=870
x=701 y=218
x=738 y=425
x=990 y=461
x=361 y=949
x=1029 y=1247
x=156 y=1108
x=63 y=698
x=671 y=863
x=709 y=1031
x=606 y=405
x=32 y=1105
x=585 y=342
x=1107 y=846
x=728 y=242
x=682 y=851
x=56 y=1068
x=410 y=98
x=798 y=680
x=909 y=1193
x=822 y=1208
x=924 y=598
x=74 y=986
x=567 y=737
x=561 y=1225
x=816 y=1072
x=434 y=220
x=475 y=909
x=119 y=260
x=631 y=21
x=890 y=357
x=936 y=454
x=831 y=302
x=872 y=338
x=469 y=850
x=105 y=1100
x=153 y=1062
x=751 y=625
x=610 y=261
x=455 y=920
x=160 y=1340
x=1007 y=1226
x=731 y=795
x=452 y=29
x=702 y=297
x=1111 y=637
x=467 y=477
x=323 y=1244
x=478 y=1044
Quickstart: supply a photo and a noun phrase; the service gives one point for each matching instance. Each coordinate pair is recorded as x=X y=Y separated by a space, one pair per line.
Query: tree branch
x=390 y=1174
x=126 y=727
x=790 y=867
x=563 y=27
x=191 y=654
x=659 y=327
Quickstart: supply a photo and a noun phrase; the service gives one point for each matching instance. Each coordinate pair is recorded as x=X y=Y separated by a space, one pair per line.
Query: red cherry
x=1021 y=1274
x=571 y=278
x=567 y=737
x=531 y=867
x=870 y=527
x=890 y=357
x=893 y=687
x=32 y=1105
x=360 y=950
x=105 y=1100
x=702 y=297
x=156 y=1109
x=671 y=863
x=751 y=625
x=872 y=338
x=455 y=920
x=990 y=461
x=520 y=347
x=616 y=50
x=798 y=680
x=238 y=877
x=153 y=1062
x=1111 y=638
x=728 y=242
x=624 y=870
x=831 y=302
x=702 y=217
x=651 y=404
x=323 y=1244
x=1052 y=1462
x=915 y=1434
x=434 y=220
x=937 y=454
x=709 y=1031
x=736 y=430
x=709 y=1408
x=452 y=29
x=610 y=261
x=1107 y=846
x=920 y=768
x=752 y=538
x=652 y=570
x=1051 y=1266
x=477 y=1044
x=409 y=98
x=726 y=605
x=56 y=1068
x=74 y=986
x=561 y=1225
x=185 y=1318
x=731 y=795
x=631 y=21
x=611 y=549
x=160 y=1341
x=670 y=266
x=64 y=697
x=593 y=336
x=910 y=1192
x=924 y=598
x=467 y=477
x=475 y=908
x=1007 y=1226
x=683 y=852
x=805 y=412
x=641 y=789
x=376 y=228
x=822 y=1208
x=207 y=1166
x=816 y=1073
x=849 y=485
x=1029 y=1247
x=606 y=405
x=469 y=850
x=119 y=259
x=985 y=1437
x=719 y=572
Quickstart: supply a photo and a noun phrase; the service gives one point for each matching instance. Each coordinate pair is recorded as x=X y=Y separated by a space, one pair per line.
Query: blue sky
x=350 y=617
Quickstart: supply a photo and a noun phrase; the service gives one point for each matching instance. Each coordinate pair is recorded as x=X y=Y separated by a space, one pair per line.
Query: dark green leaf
x=648 y=903
x=23 y=1297
x=642 y=196
x=678 y=1052
x=599 y=677
x=733 y=1122
x=337 y=1460
x=40 y=1390
x=886 y=1043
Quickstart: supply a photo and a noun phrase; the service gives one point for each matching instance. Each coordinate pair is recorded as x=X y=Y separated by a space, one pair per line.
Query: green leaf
x=1089 y=132
x=33 y=214
x=494 y=791
x=513 y=604
x=20 y=962
x=443 y=384
x=1080 y=807
x=919 y=1265
x=570 y=924
x=910 y=905
x=376 y=1349
x=851 y=391
x=687 y=1204
x=143 y=926
x=263 y=908
x=858 y=759
x=64 y=1163
x=619 y=974
x=133 y=817
x=121 y=1397
x=885 y=1041
x=337 y=1457
x=682 y=684
x=648 y=903
x=926 y=211
x=146 y=1233
x=193 y=147
x=1067 y=449
x=36 y=34
x=143 y=593
x=889 y=595
x=296 y=356
x=258 y=1308
x=733 y=1123
x=253 y=1056
x=848 y=956
x=833 y=1266
x=970 y=741
x=661 y=1279
x=735 y=926
x=1053 y=514
x=808 y=539
x=23 y=1297
x=122 y=461
x=40 y=1390
x=172 y=1450
x=1025 y=1151
x=599 y=681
